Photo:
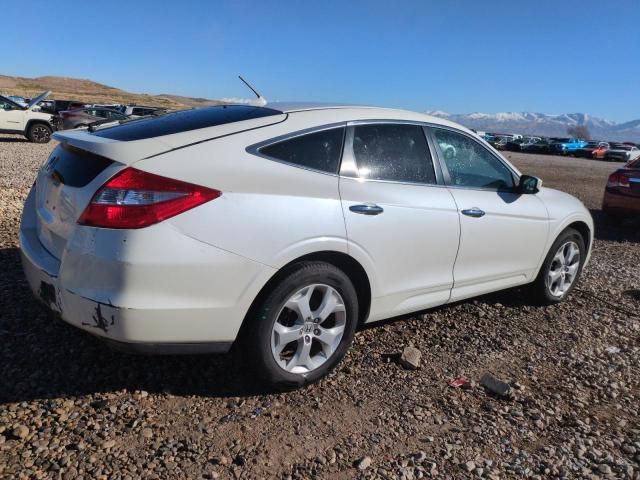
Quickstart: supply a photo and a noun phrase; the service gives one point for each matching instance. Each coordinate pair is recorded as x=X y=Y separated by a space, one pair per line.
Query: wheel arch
x=584 y=231
x=581 y=226
x=349 y=265
x=33 y=121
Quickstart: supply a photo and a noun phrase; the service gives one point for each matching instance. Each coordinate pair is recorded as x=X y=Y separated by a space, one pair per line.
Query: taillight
x=137 y=199
x=617 y=179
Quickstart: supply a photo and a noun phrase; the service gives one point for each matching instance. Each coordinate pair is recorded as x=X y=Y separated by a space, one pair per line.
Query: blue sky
x=458 y=56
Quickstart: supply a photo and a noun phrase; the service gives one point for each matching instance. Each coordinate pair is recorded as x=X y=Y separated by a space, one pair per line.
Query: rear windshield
x=74 y=167
x=184 y=121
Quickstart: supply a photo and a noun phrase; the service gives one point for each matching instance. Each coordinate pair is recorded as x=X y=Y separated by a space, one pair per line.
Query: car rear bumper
x=622 y=205
x=182 y=296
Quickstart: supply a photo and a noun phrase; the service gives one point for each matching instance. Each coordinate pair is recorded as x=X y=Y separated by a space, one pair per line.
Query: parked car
x=600 y=152
x=61 y=105
x=589 y=149
x=500 y=143
x=539 y=146
x=521 y=145
x=24 y=120
x=622 y=193
x=83 y=117
x=142 y=111
x=514 y=145
x=566 y=146
x=622 y=152
x=112 y=106
x=283 y=228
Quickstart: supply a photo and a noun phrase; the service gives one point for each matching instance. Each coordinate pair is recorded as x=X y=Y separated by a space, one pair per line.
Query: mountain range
x=544 y=124
x=510 y=122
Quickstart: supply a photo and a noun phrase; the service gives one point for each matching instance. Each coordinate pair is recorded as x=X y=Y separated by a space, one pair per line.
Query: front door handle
x=473 y=212
x=367 y=209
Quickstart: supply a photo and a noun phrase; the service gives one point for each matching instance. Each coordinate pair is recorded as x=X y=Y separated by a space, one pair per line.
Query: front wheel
x=39 y=133
x=561 y=268
x=303 y=327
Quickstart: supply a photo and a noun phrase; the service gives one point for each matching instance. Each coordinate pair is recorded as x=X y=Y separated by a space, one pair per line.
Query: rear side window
x=318 y=150
x=184 y=121
x=393 y=152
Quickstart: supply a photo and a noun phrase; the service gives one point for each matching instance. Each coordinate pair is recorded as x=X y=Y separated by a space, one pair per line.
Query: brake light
x=137 y=199
x=617 y=179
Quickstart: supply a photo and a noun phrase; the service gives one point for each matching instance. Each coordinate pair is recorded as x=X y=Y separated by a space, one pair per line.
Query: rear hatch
x=64 y=186
x=85 y=160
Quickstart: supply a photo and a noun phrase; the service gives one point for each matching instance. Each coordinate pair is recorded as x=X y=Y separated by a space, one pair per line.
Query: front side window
x=318 y=150
x=394 y=152
x=470 y=164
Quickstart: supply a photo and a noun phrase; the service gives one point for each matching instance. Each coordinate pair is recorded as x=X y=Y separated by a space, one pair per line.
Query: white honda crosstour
x=279 y=229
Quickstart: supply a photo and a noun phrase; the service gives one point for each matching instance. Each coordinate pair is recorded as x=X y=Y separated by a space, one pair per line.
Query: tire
x=259 y=343
x=39 y=133
x=542 y=289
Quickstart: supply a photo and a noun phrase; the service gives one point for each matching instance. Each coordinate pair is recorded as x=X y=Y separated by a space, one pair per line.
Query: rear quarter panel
x=269 y=212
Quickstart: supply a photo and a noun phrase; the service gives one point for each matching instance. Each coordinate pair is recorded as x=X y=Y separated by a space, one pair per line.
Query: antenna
x=260 y=101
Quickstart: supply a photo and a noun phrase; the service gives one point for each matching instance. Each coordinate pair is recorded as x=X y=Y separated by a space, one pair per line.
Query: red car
x=622 y=194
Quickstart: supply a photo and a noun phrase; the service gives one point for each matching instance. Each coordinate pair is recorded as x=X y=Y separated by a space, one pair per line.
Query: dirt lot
x=72 y=408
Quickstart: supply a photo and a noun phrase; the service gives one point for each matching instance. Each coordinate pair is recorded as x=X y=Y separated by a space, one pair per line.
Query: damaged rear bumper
x=178 y=297
x=124 y=329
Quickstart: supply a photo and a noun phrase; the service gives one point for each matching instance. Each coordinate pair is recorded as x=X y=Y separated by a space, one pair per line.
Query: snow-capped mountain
x=544 y=124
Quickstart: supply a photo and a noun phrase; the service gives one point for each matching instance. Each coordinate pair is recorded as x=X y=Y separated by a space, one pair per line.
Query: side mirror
x=529 y=184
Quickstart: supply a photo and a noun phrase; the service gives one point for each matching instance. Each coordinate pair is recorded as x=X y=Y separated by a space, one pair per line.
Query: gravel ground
x=72 y=408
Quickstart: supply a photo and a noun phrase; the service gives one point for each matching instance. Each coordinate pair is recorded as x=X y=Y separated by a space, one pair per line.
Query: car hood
x=36 y=100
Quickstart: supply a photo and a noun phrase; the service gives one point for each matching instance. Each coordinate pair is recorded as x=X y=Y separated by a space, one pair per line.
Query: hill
x=93 y=92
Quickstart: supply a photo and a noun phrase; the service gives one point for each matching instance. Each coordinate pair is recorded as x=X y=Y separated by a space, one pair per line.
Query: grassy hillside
x=88 y=91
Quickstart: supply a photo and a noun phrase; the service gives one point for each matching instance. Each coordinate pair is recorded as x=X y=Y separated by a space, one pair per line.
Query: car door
x=400 y=220
x=503 y=233
x=12 y=117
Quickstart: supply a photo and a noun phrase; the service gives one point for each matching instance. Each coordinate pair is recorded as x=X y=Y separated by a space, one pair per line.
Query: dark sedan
x=84 y=117
x=540 y=146
x=622 y=194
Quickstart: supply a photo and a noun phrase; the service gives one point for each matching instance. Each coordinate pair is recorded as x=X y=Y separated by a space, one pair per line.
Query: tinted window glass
x=393 y=152
x=470 y=164
x=184 y=121
x=75 y=167
x=319 y=150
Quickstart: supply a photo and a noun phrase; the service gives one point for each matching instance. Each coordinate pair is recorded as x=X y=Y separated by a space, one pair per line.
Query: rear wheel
x=561 y=268
x=39 y=133
x=303 y=327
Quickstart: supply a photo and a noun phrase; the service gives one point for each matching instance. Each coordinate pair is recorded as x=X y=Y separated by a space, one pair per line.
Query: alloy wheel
x=563 y=269
x=308 y=329
x=40 y=133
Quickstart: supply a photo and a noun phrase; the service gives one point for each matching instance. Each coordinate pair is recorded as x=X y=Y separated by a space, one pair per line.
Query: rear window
x=184 y=121
x=74 y=167
x=318 y=150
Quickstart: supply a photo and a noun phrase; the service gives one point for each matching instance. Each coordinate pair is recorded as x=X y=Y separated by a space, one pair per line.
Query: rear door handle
x=367 y=209
x=473 y=212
